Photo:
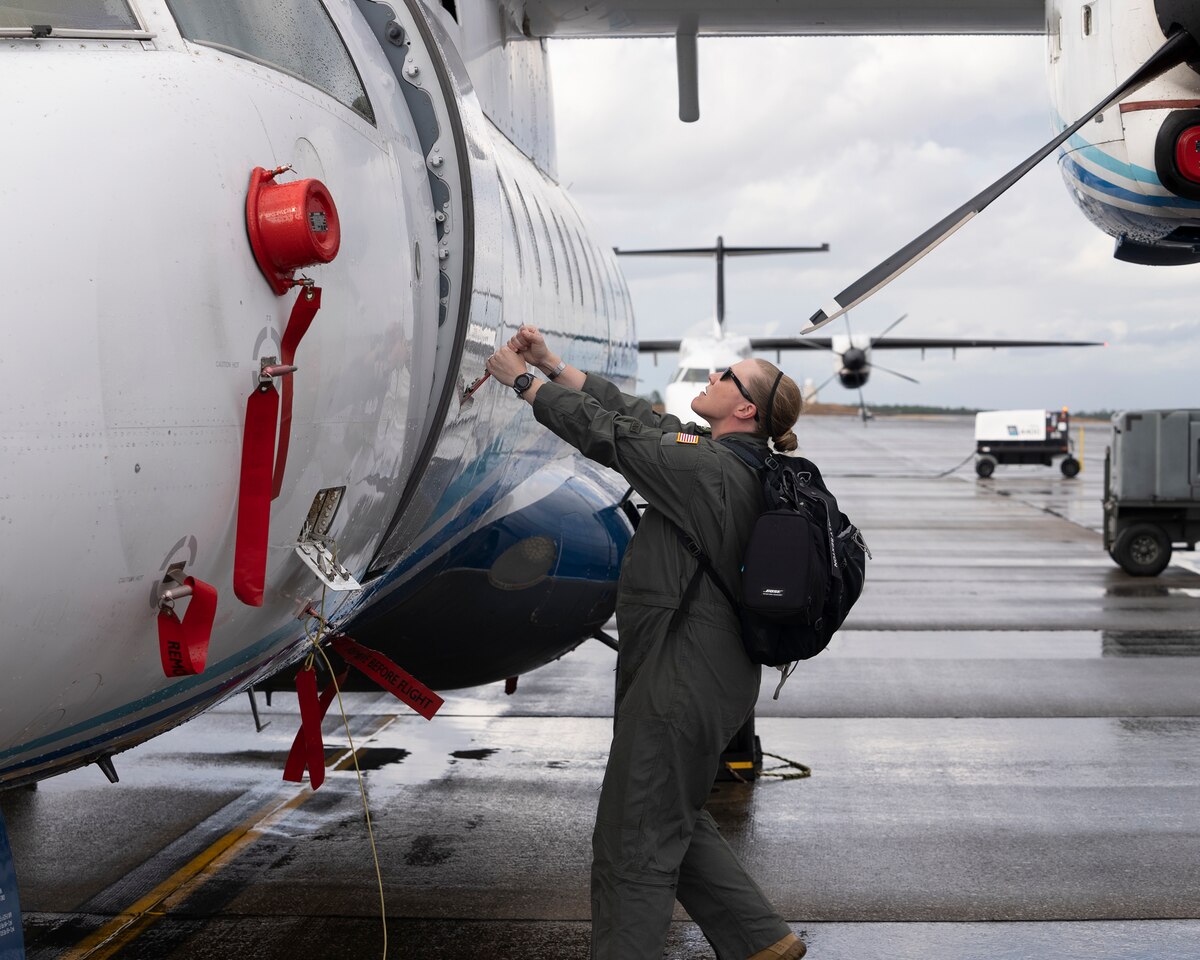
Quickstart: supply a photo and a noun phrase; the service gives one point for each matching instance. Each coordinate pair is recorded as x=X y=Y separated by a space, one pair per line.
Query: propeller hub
x=854 y=359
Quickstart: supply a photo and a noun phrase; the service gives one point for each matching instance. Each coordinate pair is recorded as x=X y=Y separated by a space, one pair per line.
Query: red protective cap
x=1187 y=154
x=291 y=225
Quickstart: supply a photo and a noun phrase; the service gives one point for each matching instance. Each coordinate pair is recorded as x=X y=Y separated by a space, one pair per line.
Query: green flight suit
x=681 y=693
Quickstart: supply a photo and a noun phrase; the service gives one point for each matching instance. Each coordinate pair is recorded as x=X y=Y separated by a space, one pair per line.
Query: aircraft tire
x=1142 y=550
x=985 y=466
x=1069 y=467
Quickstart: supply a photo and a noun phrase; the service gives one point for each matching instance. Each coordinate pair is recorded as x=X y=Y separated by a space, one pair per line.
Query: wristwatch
x=559 y=368
x=522 y=383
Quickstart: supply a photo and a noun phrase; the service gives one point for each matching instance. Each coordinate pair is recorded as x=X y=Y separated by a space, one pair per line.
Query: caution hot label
x=401 y=684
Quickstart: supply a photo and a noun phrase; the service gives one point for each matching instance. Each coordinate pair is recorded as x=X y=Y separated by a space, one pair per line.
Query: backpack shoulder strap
x=747 y=453
x=704 y=565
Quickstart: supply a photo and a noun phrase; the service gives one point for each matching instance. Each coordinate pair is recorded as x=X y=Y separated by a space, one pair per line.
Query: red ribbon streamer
x=262 y=468
x=404 y=686
x=308 y=302
x=183 y=644
x=311 y=716
x=293 y=770
x=254 y=495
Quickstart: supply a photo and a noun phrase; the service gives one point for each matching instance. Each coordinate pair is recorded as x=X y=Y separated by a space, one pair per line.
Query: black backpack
x=804 y=567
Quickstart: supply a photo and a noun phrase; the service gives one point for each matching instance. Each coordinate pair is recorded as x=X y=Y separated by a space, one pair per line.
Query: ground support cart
x=1152 y=488
x=1023 y=436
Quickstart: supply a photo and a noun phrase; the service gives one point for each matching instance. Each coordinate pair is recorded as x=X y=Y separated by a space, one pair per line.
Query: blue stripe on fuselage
x=1089 y=179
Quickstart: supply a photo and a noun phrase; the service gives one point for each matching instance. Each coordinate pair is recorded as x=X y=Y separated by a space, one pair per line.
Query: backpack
x=803 y=569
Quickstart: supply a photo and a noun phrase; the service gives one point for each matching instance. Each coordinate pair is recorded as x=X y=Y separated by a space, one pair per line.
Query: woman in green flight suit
x=684 y=684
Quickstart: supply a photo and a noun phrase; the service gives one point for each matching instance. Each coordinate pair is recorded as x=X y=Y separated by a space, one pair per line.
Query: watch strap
x=558 y=368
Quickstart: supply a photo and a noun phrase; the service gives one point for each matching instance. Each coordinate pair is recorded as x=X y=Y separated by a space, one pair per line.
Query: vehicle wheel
x=985 y=466
x=1142 y=550
x=1069 y=467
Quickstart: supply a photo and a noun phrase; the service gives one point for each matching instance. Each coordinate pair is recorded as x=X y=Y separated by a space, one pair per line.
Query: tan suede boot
x=790 y=947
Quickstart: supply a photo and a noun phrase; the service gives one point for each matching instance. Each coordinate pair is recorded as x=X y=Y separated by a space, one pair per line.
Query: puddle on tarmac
x=481 y=754
x=1151 y=588
x=1139 y=643
x=1011 y=644
x=426 y=751
x=375 y=758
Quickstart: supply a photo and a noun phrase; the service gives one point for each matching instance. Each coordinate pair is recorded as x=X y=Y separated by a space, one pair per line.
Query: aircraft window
x=107 y=15
x=512 y=222
x=549 y=242
x=537 y=254
x=690 y=375
x=295 y=36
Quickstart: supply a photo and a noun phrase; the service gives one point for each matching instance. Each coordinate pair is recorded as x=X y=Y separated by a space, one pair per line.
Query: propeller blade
x=862 y=407
x=1179 y=48
x=888 y=329
x=824 y=383
x=902 y=376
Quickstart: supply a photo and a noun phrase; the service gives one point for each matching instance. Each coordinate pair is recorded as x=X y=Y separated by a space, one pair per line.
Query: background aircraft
x=701 y=355
x=158 y=222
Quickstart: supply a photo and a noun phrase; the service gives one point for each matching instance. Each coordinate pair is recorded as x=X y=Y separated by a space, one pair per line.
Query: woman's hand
x=531 y=345
x=505 y=365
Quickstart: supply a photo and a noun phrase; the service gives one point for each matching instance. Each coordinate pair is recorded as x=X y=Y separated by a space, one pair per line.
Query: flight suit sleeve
x=659 y=467
x=605 y=393
x=609 y=397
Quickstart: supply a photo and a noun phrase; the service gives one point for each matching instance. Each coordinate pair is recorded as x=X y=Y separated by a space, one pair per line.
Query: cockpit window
x=101 y=15
x=295 y=36
x=690 y=375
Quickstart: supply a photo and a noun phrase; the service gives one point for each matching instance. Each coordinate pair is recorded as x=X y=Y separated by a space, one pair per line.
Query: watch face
x=522 y=382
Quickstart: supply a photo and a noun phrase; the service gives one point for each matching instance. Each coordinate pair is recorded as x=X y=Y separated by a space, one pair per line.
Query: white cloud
x=863 y=143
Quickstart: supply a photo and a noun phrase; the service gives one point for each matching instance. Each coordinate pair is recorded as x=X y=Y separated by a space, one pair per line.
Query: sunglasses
x=730 y=375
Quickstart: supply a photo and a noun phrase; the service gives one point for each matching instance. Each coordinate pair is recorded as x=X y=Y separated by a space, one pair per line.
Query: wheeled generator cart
x=1151 y=488
x=1023 y=436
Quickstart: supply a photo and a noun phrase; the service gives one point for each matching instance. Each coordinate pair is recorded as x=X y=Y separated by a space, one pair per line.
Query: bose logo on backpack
x=772 y=593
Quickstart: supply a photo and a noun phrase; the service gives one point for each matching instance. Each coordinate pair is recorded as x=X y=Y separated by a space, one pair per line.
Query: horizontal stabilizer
x=713 y=251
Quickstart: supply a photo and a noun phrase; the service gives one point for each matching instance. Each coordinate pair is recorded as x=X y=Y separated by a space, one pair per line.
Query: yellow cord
x=362 y=790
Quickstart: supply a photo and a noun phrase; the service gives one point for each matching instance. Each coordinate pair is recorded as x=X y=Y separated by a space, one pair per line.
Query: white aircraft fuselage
x=137 y=318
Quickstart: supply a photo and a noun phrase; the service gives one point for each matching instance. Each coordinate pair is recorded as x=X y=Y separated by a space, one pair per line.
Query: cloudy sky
x=863 y=143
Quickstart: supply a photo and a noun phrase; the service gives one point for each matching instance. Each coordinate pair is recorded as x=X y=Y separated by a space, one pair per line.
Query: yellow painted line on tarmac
x=129 y=924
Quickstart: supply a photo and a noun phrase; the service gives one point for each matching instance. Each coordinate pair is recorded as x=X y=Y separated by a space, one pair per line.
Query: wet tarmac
x=1003 y=743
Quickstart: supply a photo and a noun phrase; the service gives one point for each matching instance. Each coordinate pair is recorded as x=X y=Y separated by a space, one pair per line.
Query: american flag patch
x=686 y=438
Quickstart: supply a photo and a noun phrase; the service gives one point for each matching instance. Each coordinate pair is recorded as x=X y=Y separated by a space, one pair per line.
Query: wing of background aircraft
x=909 y=343
x=894 y=343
